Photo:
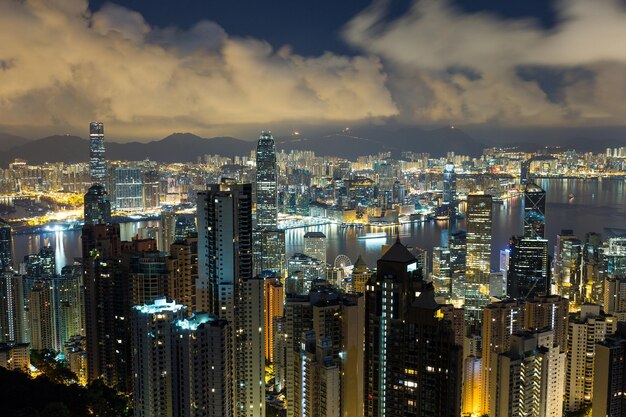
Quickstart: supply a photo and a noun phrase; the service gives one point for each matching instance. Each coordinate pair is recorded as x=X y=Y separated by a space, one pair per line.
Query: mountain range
x=186 y=147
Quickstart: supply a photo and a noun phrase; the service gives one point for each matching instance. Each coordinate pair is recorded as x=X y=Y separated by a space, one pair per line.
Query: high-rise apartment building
x=589 y=327
x=413 y=365
x=324 y=353
x=500 y=321
x=97 y=163
x=273 y=298
x=42 y=316
x=6 y=246
x=534 y=211
x=609 y=376
x=182 y=270
x=12 y=316
x=530 y=377
x=548 y=312
x=226 y=287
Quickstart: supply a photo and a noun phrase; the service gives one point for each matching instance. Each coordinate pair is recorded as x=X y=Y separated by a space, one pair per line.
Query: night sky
x=148 y=68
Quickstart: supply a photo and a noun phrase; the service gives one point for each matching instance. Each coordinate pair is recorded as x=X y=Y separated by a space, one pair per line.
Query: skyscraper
x=97 y=206
x=42 y=316
x=12 y=317
x=548 y=312
x=609 y=376
x=449 y=184
x=529 y=267
x=530 y=377
x=589 y=327
x=97 y=163
x=500 y=321
x=182 y=269
x=315 y=245
x=408 y=340
x=457 y=244
x=273 y=297
x=128 y=188
x=534 y=211
x=6 y=246
x=226 y=287
x=441 y=273
x=568 y=266
x=266 y=183
x=479 y=213
x=361 y=273
x=107 y=306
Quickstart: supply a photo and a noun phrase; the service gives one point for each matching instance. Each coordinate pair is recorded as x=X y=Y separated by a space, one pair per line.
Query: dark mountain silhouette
x=8 y=141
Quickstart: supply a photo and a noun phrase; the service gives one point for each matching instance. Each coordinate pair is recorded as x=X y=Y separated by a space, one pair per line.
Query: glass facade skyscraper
x=97 y=165
x=6 y=246
x=534 y=211
x=479 y=222
x=266 y=183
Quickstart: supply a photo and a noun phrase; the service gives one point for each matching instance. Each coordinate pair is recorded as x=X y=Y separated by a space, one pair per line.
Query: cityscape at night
x=407 y=208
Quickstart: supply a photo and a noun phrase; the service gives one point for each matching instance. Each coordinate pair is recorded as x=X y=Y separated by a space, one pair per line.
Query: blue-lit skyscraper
x=449 y=184
x=97 y=164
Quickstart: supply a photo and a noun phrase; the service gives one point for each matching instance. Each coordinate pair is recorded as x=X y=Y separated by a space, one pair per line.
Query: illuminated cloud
x=62 y=66
x=479 y=68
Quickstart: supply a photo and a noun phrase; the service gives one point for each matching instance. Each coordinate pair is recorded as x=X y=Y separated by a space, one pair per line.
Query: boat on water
x=373 y=235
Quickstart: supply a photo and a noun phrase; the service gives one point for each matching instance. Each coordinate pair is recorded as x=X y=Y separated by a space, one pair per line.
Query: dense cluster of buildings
x=216 y=321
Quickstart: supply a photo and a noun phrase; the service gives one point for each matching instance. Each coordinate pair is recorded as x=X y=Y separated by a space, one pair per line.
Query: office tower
x=525 y=172
x=266 y=183
x=615 y=297
x=15 y=356
x=42 y=316
x=324 y=352
x=6 y=246
x=315 y=245
x=302 y=270
x=97 y=207
x=408 y=340
x=529 y=268
x=504 y=264
x=226 y=288
x=128 y=189
x=457 y=244
x=614 y=257
x=360 y=275
x=591 y=267
x=147 y=275
x=272 y=252
x=548 y=312
x=584 y=331
x=500 y=321
x=609 y=376
x=567 y=267
x=497 y=284
x=534 y=211
x=478 y=266
x=449 y=184
x=530 y=377
x=107 y=306
x=182 y=270
x=12 y=319
x=273 y=298
x=168 y=224
x=70 y=303
x=153 y=357
x=440 y=276
x=97 y=163
x=151 y=197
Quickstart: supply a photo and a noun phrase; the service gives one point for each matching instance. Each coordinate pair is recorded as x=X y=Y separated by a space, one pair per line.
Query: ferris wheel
x=342 y=261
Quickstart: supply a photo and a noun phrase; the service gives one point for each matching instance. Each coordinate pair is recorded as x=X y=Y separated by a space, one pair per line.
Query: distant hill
x=179 y=147
x=372 y=140
x=10 y=141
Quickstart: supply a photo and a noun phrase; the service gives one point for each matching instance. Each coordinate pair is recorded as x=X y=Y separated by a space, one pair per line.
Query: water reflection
x=596 y=204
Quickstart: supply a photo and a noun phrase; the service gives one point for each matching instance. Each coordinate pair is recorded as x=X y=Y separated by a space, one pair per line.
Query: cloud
x=71 y=66
x=465 y=68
